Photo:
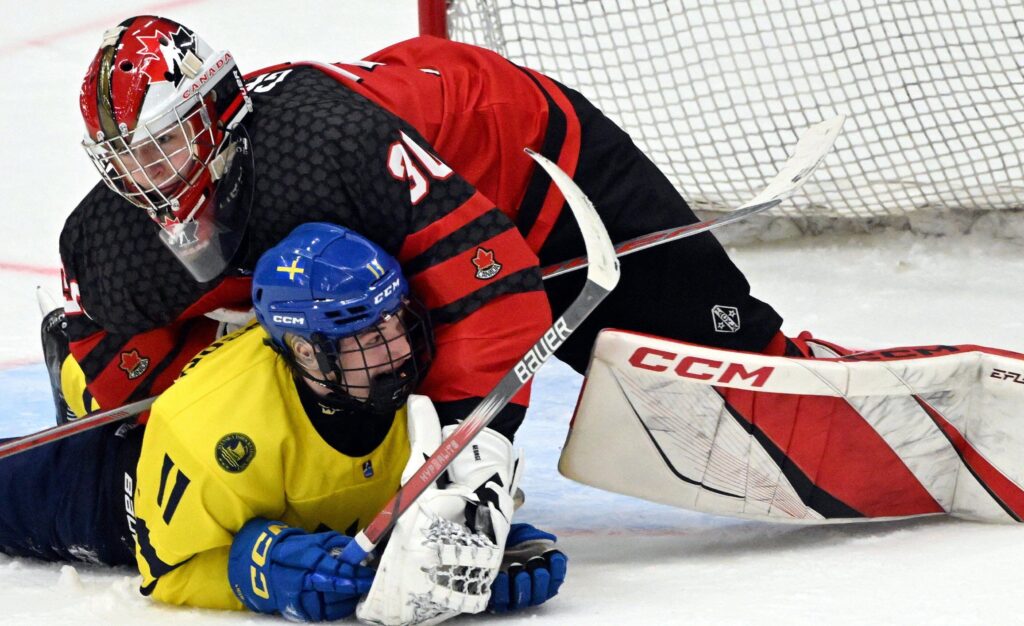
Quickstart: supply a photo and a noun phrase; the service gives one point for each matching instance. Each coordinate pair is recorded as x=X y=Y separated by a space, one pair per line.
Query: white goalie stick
x=602 y=276
x=810 y=150
x=812 y=147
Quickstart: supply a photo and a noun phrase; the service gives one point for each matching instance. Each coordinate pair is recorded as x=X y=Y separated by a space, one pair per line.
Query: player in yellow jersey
x=285 y=436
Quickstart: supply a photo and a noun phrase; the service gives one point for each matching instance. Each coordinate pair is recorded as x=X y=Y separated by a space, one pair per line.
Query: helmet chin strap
x=220 y=163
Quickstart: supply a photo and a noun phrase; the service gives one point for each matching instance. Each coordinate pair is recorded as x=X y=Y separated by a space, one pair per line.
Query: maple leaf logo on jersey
x=486 y=266
x=134 y=364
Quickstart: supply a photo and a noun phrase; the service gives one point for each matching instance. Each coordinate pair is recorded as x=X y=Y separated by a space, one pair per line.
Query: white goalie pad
x=887 y=434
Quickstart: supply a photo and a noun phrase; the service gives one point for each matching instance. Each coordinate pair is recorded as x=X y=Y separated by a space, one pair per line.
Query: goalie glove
x=433 y=568
x=445 y=551
x=531 y=573
x=274 y=568
x=491 y=470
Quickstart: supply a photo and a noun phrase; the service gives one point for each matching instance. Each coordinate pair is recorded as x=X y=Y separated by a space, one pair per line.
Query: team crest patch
x=726 y=318
x=133 y=364
x=235 y=452
x=486 y=265
x=367 y=469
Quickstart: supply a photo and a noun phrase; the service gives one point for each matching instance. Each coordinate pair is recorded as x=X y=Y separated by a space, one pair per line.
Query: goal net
x=716 y=93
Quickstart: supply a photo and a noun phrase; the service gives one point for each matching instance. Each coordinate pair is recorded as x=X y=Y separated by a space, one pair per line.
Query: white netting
x=717 y=92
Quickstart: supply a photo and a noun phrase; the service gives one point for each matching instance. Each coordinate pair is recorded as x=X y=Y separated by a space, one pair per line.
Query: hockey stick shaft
x=602 y=276
x=93 y=420
x=810 y=150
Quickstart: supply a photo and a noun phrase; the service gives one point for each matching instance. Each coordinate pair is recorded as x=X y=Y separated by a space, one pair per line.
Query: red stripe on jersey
x=837 y=449
x=478 y=113
x=114 y=384
x=567 y=160
x=456 y=277
x=80 y=349
x=418 y=242
x=476 y=352
x=143 y=355
x=1004 y=490
x=234 y=292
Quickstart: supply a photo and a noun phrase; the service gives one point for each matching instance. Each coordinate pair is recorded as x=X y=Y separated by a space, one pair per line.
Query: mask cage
x=379 y=367
x=140 y=166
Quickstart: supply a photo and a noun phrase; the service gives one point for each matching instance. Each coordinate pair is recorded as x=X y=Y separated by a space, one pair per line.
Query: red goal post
x=714 y=92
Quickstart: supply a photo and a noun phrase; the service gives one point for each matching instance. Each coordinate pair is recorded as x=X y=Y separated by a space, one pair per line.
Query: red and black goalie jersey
x=322 y=152
x=419 y=148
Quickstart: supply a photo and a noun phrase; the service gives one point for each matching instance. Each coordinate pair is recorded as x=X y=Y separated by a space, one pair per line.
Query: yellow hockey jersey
x=228 y=442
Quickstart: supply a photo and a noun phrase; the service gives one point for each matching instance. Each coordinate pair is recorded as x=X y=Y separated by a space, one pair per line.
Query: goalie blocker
x=887 y=434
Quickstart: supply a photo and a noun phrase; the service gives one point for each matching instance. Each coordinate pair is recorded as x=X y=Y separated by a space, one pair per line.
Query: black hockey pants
x=679 y=290
x=70 y=500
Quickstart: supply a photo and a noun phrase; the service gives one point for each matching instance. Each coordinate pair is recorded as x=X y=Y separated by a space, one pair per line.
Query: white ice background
x=631 y=561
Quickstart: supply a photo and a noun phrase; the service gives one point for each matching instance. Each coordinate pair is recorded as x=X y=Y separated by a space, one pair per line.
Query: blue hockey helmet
x=348 y=298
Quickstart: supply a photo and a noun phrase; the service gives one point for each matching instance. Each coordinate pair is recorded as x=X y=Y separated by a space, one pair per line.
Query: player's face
x=379 y=350
x=157 y=162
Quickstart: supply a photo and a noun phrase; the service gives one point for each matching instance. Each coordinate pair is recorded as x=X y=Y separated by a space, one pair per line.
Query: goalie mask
x=349 y=300
x=160 y=106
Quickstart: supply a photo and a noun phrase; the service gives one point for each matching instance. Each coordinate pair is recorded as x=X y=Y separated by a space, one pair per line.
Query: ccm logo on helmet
x=390 y=289
x=698 y=368
x=289 y=320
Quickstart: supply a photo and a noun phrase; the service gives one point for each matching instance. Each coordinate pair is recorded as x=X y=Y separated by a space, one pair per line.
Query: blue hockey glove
x=531 y=572
x=274 y=568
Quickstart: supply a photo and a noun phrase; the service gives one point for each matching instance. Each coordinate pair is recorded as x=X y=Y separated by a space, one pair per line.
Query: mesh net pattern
x=716 y=93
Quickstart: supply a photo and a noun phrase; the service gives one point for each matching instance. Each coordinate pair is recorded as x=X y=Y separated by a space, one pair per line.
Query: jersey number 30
x=407 y=160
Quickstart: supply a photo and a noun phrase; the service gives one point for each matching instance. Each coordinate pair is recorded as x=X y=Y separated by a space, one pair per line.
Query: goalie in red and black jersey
x=420 y=148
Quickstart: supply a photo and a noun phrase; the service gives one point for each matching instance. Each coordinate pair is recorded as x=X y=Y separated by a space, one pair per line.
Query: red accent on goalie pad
x=896 y=432
x=1003 y=490
x=841 y=454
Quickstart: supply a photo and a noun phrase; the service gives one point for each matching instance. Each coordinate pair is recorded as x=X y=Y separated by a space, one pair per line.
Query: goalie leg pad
x=918 y=430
